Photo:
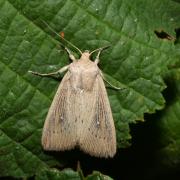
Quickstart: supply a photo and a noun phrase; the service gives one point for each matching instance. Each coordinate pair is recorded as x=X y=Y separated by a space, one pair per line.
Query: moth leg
x=115 y=87
x=63 y=69
x=99 y=52
x=71 y=56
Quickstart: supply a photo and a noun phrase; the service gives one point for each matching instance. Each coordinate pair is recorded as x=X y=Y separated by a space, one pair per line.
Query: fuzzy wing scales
x=98 y=136
x=80 y=117
x=59 y=132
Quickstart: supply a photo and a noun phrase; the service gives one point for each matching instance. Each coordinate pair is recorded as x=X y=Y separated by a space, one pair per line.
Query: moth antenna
x=99 y=49
x=61 y=36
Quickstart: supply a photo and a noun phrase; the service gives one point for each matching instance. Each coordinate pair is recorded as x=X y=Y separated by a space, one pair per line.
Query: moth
x=80 y=113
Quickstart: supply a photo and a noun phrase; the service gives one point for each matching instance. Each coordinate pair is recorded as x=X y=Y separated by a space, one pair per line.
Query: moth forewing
x=98 y=136
x=59 y=132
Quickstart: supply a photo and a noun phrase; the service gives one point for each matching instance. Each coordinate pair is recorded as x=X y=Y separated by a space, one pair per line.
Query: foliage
x=137 y=60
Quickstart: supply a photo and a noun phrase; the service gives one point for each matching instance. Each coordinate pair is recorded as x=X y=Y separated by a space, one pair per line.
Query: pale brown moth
x=80 y=114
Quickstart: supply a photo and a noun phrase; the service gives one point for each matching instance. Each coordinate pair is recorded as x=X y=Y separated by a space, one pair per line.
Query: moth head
x=86 y=54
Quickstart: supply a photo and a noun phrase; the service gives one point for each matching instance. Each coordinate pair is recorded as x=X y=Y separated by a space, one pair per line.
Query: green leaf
x=97 y=176
x=54 y=174
x=137 y=59
x=16 y=160
x=169 y=123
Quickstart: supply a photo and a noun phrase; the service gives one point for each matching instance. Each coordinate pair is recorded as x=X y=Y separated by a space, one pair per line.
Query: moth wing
x=59 y=132
x=98 y=136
